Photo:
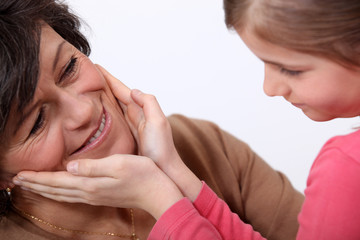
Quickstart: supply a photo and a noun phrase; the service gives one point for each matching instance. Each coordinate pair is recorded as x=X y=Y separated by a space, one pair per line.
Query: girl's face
x=73 y=114
x=321 y=88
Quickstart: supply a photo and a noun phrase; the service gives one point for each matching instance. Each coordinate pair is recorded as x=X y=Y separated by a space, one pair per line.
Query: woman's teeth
x=98 y=132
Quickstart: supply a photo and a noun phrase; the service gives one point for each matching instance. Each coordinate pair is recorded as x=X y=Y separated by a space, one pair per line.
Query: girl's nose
x=275 y=85
x=77 y=110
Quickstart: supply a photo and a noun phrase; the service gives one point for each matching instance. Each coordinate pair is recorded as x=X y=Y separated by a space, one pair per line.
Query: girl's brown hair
x=328 y=28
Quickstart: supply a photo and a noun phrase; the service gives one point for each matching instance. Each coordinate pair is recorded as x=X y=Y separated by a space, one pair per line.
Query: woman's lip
x=99 y=139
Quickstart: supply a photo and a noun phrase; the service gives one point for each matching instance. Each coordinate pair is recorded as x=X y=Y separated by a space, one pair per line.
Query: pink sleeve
x=182 y=221
x=332 y=197
x=219 y=214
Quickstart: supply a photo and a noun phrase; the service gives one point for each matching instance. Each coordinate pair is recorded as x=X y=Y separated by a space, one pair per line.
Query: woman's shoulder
x=200 y=129
x=184 y=123
x=208 y=151
x=192 y=134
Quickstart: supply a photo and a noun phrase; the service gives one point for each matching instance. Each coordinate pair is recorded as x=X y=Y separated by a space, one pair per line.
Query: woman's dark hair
x=20 y=33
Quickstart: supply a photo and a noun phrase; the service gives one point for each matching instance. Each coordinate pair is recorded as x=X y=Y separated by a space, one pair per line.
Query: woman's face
x=73 y=115
x=321 y=88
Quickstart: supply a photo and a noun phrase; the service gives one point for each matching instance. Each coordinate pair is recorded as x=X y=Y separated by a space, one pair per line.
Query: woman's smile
x=98 y=135
x=73 y=114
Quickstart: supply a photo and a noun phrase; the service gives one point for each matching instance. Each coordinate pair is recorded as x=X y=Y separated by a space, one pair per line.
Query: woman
x=56 y=107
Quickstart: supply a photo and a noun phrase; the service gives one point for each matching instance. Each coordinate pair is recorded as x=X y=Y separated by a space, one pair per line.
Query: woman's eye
x=290 y=72
x=69 y=69
x=39 y=123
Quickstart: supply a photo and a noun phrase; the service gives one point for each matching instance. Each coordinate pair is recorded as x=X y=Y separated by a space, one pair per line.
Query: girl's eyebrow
x=271 y=62
x=280 y=64
x=57 y=55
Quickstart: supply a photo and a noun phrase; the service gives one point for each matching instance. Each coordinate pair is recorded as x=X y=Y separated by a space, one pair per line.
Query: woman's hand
x=116 y=181
x=152 y=132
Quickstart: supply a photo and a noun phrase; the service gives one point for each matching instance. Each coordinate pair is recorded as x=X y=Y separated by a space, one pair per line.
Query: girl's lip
x=298 y=105
x=86 y=147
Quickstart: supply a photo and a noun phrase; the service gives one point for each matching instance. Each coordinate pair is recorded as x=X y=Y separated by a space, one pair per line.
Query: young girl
x=311 y=53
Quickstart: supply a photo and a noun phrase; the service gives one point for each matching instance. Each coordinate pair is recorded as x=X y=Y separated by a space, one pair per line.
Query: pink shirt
x=331 y=210
x=208 y=218
x=332 y=198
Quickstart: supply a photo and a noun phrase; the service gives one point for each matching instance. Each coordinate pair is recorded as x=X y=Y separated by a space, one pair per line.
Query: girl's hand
x=147 y=122
x=152 y=132
x=116 y=181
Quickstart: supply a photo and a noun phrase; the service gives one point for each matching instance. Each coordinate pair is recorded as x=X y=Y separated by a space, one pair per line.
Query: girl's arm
x=153 y=134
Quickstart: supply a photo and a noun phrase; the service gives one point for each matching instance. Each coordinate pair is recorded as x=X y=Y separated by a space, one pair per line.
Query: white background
x=181 y=51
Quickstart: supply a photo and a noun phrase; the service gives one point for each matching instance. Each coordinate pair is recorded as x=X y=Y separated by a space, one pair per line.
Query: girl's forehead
x=269 y=52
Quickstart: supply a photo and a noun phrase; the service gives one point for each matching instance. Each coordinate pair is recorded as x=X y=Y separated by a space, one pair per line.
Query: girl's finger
x=120 y=90
x=108 y=167
x=82 y=188
x=148 y=103
x=55 y=191
x=62 y=198
x=52 y=179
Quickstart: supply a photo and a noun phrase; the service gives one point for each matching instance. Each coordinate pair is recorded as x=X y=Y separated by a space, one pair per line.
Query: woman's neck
x=72 y=216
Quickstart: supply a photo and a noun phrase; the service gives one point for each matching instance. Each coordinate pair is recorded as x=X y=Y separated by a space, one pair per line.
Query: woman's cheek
x=124 y=144
x=38 y=155
x=48 y=155
x=89 y=78
x=46 y=151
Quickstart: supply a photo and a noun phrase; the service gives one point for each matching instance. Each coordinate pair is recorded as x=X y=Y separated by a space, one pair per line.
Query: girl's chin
x=318 y=117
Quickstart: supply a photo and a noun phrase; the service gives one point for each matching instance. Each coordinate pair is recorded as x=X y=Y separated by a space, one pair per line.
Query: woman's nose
x=275 y=85
x=78 y=111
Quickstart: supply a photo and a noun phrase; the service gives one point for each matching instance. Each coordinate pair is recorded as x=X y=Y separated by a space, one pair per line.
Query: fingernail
x=73 y=167
x=20 y=177
x=16 y=181
x=136 y=92
x=25 y=188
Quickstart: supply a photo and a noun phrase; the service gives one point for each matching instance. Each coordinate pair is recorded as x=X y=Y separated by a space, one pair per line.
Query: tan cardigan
x=260 y=195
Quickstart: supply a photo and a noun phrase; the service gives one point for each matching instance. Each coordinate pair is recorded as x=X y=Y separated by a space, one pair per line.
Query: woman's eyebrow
x=57 y=55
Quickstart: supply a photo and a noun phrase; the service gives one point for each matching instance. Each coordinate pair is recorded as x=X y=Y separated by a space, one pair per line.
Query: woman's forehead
x=51 y=42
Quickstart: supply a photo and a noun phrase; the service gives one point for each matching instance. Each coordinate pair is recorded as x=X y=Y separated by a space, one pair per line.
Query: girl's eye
x=290 y=72
x=39 y=123
x=69 y=69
